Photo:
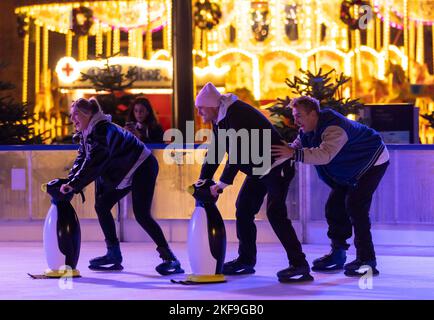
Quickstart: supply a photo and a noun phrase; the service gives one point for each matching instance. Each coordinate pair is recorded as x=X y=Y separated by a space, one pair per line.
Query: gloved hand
x=66 y=188
x=215 y=190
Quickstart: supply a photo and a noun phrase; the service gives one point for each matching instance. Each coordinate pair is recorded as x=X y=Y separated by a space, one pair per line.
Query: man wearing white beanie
x=227 y=113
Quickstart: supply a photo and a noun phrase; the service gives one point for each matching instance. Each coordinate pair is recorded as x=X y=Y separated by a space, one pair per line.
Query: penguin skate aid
x=206 y=237
x=62 y=234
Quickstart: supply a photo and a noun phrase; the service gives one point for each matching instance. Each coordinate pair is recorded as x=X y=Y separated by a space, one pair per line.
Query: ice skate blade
x=332 y=269
x=303 y=278
x=115 y=267
x=360 y=273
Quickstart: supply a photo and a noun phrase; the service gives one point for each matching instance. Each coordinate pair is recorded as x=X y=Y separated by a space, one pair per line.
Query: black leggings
x=142 y=188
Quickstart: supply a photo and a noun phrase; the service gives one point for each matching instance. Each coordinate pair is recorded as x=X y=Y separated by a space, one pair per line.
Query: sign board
x=151 y=73
x=397 y=123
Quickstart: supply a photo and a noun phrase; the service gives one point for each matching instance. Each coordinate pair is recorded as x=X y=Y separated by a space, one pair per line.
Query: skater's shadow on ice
x=269 y=286
x=121 y=284
x=146 y=281
x=142 y=275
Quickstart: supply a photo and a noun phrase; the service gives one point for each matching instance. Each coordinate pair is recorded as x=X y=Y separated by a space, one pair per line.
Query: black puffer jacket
x=108 y=154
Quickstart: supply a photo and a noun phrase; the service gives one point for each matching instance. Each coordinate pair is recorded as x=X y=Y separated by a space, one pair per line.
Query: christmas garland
x=206 y=14
x=81 y=28
x=346 y=12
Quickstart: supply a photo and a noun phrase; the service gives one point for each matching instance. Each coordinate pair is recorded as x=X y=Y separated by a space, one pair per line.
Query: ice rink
x=405 y=273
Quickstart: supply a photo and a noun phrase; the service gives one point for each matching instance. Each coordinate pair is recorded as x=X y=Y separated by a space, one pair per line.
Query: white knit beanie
x=208 y=96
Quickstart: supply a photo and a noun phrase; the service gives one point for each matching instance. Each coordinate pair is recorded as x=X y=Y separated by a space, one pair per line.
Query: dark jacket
x=108 y=154
x=239 y=115
x=360 y=152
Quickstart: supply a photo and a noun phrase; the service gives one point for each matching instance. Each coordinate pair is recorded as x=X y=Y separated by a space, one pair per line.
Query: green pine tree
x=328 y=91
x=111 y=79
x=15 y=119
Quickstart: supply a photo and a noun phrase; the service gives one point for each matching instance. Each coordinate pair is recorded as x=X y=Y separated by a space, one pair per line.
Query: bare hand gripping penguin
x=206 y=237
x=62 y=235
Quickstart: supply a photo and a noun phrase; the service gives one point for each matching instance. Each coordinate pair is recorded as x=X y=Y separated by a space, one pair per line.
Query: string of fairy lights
x=266 y=31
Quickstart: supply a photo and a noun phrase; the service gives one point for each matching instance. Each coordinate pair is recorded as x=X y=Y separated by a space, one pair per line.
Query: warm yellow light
x=212 y=70
x=25 y=67
x=151 y=91
x=168 y=33
x=131 y=43
x=69 y=37
x=351 y=116
x=161 y=53
x=116 y=41
x=37 y=57
x=420 y=44
x=386 y=30
x=256 y=78
x=77 y=93
x=108 y=42
x=68 y=70
x=287 y=50
x=99 y=40
x=45 y=47
x=136 y=62
x=70 y=66
x=345 y=56
x=380 y=61
x=59 y=127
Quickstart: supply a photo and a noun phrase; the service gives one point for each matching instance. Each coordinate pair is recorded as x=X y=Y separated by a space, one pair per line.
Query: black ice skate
x=110 y=262
x=330 y=262
x=170 y=264
x=359 y=268
x=294 y=274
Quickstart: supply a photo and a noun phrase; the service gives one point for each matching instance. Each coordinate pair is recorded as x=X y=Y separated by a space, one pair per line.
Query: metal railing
x=405 y=195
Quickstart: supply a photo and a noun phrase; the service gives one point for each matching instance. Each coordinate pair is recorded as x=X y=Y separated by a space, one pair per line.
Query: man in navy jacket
x=351 y=159
x=231 y=117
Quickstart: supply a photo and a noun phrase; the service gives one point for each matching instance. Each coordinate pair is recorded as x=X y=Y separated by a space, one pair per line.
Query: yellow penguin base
x=62 y=274
x=208 y=278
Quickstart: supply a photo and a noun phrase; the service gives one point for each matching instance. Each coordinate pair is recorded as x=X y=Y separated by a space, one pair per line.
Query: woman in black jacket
x=119 y=163
x=143 y=123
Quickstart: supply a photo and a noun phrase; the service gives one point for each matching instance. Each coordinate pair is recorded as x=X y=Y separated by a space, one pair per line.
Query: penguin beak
x=44 y=187
x=190 y=189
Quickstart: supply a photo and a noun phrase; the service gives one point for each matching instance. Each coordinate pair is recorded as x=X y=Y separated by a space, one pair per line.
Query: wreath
x=260 y=27
x=82 y=20
x=346 y=12
x=206 y=14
